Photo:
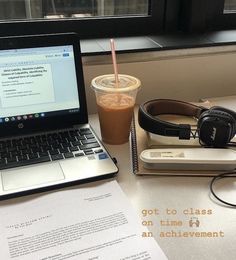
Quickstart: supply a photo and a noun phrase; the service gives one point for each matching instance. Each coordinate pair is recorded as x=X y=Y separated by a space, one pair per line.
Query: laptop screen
x=37 y=82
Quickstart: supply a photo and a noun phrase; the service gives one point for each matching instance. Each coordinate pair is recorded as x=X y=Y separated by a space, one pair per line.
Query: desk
x=184 y=200
x=172 y=207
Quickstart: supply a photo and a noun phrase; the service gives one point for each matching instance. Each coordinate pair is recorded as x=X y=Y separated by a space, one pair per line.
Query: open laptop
x=45 y=139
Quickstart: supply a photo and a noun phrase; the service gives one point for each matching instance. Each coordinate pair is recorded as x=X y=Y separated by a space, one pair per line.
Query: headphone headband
x=149 y=121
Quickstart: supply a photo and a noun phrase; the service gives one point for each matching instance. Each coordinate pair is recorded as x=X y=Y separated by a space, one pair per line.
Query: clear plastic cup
x=115 y=105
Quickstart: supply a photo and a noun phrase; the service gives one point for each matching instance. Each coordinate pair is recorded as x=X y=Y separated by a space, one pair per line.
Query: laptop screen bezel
x=56 y=122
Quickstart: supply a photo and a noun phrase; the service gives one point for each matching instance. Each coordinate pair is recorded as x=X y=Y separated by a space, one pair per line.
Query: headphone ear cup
x=215 y=128
x=231 y=114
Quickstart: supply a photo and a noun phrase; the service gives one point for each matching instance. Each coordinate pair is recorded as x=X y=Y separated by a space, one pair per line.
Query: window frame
x=95 y=27
x=206 y=15
x=220 y=19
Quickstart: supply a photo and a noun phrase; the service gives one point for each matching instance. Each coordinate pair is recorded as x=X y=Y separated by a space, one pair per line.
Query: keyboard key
x=73 y=149
x=22 y=158
x=46 y=148
x=81 y=138
x=72 y=139
x=5 y=155
x=54 y=152
x=57 y=157
x=89 y=146
x=63 y=150
x=90 y=136
x=10 y=160
x=2 y=161
x=33 y=155
x=12 y=149
x=85 y=131
x=76 y=143
x=56 y=146
x=79 y=154
x=98 y=151
x=88 y=152
x=42 y=154
x=89 y=141
x=68 y=155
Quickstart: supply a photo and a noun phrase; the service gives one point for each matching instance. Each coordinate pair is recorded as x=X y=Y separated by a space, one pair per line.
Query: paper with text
x=94 y=222
x=26 y=85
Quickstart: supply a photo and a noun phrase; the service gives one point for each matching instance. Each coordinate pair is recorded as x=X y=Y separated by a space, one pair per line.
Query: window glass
x=88 y=18
x=51 y=9
x=230 y=6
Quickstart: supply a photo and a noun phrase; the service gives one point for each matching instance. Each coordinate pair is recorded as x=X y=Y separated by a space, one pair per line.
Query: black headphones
x=215 y=127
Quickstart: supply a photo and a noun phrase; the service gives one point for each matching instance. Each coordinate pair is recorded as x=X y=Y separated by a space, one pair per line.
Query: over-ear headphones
x=215 y=126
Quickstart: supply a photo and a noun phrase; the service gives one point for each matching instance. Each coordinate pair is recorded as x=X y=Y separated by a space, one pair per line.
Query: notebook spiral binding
x=134 y=151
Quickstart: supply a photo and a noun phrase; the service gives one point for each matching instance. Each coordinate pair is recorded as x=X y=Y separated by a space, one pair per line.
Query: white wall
x=184 y=75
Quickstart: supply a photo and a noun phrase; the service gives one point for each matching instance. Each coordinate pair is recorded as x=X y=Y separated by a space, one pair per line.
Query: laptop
x=46 y=141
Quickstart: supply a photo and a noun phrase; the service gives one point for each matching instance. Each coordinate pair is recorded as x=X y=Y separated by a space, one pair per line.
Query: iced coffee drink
x=115 y=106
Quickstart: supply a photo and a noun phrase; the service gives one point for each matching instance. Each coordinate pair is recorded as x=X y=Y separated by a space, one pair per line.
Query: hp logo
x=20 y=125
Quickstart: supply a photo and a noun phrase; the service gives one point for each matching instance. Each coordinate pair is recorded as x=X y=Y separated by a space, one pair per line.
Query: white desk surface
x=184 y=198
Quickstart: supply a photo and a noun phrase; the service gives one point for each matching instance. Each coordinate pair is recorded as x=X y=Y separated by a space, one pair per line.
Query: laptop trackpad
x=31 y=176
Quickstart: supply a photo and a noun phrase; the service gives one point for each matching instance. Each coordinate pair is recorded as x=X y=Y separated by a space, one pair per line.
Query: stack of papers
x=95 y=222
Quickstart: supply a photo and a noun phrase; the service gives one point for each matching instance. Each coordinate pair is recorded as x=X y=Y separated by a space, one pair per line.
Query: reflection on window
x=33 y=9
x=230 y=6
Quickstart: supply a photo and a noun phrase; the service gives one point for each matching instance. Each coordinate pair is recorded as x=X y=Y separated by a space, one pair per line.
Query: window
x=47 y=9
x=224 y=15
x=230 y=6
x=207 y=15
x=90 y=18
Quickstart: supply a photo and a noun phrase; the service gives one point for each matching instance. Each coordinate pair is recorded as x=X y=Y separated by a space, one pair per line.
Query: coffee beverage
x=115 y=114
x=115 y=106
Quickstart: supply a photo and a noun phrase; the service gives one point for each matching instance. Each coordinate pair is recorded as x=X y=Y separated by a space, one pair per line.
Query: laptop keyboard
x=47 y=147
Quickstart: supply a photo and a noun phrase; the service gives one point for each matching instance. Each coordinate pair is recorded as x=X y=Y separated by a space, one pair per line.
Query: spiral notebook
x=141 y=140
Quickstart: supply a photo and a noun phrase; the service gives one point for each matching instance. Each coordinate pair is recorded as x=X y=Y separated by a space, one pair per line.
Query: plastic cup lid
x=107 y=83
